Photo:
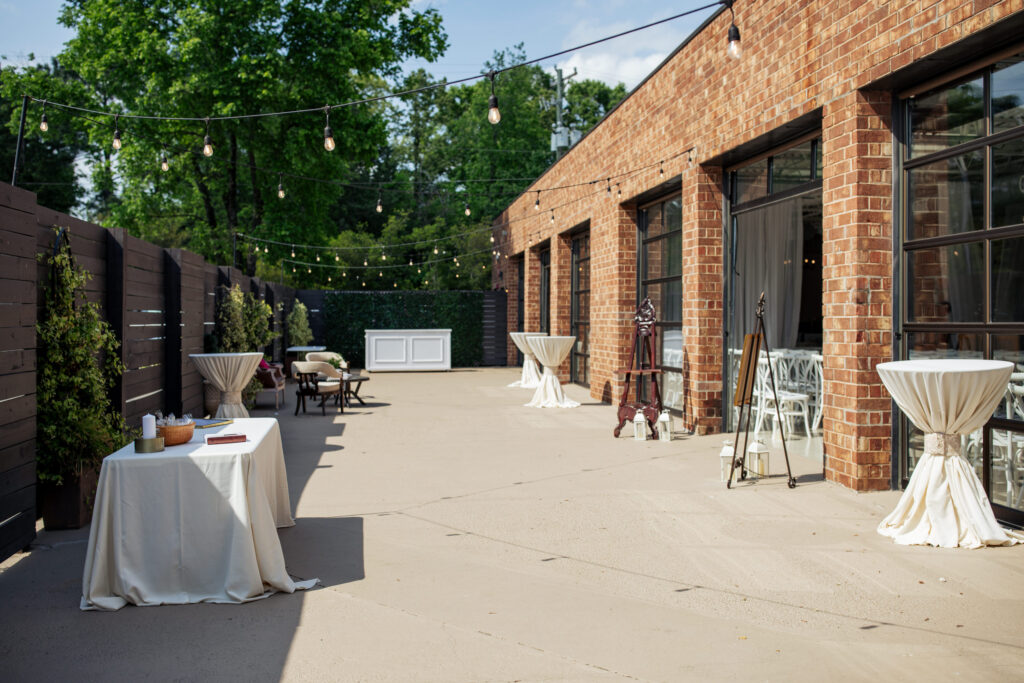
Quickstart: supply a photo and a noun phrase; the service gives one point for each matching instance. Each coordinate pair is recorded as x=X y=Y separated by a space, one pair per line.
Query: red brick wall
x=799 y=57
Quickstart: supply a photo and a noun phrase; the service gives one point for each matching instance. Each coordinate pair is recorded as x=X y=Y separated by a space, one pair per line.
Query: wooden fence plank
x=17 y=385
x=18 y=360
x=18 y=315
x=18 y=454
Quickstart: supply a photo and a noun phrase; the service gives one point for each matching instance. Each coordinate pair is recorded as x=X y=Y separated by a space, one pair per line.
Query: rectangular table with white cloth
x=192 y=523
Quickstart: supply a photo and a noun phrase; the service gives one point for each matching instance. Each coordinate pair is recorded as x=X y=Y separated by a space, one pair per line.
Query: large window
x=545 y=291
x=581 y=308
x=962 y=252
x=661 y=279
x=774 y=246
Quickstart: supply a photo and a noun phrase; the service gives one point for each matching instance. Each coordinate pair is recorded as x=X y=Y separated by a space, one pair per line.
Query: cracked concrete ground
x=460 y=536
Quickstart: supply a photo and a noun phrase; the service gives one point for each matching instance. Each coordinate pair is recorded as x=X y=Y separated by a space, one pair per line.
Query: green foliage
x=299 y=333
x=347 y=315
x=243 y=322
x=76 y=425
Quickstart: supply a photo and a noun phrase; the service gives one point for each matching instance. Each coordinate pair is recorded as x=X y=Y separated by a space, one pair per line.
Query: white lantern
x=726 y=457
x=757 y=459
x=639 y=426
x=665 y=427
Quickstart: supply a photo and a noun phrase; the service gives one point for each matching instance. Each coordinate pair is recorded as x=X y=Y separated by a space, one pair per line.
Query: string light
x=117 y=134
x=435 y=249
x=293 y=251
x=164 y=164
x=609 y=189
x=43 y=125
x=661 y=168
x=536 y=202
x=492 y=239
x=552 y=215
x=734 y=50
x=207 y=141
x=280 y=192
x=318 y=258
x=336 y=257
x=328 y=278
x=328 y=135
x=395 y=285
x=380 y=273
x=383 y=256
x=293 y=269
x=468 y=211
x=380 y=207
x=365 y=263
x=266 y=249
x=309 y=270
x=493 y=113
x=619 y=188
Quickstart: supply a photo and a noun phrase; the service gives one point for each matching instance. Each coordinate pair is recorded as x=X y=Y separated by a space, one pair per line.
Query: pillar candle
x=148 y=427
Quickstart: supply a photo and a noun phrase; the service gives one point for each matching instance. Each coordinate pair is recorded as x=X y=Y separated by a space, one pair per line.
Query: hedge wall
x=347 y=315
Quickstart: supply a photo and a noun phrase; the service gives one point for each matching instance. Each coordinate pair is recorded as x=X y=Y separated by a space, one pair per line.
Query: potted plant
x=76 y=424
x=242 y=325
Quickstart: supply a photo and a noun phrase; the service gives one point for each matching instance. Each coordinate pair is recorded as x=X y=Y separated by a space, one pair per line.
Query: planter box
x=69 y=505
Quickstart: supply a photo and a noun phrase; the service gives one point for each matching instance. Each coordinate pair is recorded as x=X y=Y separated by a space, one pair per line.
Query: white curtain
x=769 y=258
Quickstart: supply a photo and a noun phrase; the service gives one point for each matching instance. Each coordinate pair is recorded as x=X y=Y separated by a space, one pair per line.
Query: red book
x=224 y=438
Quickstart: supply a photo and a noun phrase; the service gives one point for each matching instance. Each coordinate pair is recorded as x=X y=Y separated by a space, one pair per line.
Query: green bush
x=299 y=333
x=347 y=315
x=76 y=425
x=243 y=325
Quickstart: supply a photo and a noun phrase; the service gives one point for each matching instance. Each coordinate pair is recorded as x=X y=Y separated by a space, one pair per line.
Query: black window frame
x=575 y=321
x=904 y=246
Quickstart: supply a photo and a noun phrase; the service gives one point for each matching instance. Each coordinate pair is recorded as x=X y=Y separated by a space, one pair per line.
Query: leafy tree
x=183 y=59
x=589 y=101
x=299 y=333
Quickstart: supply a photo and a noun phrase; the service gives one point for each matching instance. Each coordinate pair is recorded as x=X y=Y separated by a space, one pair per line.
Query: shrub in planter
x=76 y=424
x=242 y=326
x=299 y=333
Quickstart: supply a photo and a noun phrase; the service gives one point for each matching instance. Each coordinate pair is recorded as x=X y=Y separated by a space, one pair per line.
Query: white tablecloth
x=229 y=372
x=193 y=523
x=530 y=378
x=550 y=351
x=945 y=505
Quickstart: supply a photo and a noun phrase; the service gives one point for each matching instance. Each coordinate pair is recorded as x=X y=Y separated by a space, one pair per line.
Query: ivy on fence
x=347 y=315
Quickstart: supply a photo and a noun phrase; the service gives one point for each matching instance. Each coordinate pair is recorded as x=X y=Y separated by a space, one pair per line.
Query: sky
x=476 y=28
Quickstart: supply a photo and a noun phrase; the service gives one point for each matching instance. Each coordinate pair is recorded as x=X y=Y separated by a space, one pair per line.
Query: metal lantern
x=639 y=426
x=726 y=456
x=757 y=458
x=664 y=427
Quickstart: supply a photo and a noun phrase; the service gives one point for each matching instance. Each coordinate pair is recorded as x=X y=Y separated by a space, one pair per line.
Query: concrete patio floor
x=460 y=536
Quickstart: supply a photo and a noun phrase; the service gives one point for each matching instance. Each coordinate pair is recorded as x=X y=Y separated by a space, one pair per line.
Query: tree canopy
x=424 y=158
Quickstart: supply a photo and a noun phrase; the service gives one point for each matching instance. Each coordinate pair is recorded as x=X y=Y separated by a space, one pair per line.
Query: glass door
x=581 y=308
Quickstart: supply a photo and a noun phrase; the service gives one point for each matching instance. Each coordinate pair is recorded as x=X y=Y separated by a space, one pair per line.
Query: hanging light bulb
x=552 y=215
x=395 y=284
x=435 y=248
x=344 y=273
x=164 y=164
x=380 y=273
x=280 y=188
x=619 y=188
x=410 y=262
x=383 y=256
x=536 y=202
x=308 y=269
x=293 y=269
x=492 y=239
x=426 y=282
x=418 y=271
x=328 y=278
x=207 y=141
x=493 y=113
x=380 y=206
x=468 y=210
x=661 y=168
x=734 y=50
x=43 y=125
x=328 y=135
x=364 y=283
x=336 y=259
x=609 y=188
x=293 y=251
x=117 y=134
x=364 y=262
x=318 y=258
x=456 y=275
x=266 y=249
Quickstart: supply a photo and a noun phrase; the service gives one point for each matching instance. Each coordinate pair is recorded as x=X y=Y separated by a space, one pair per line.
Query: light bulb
x=536 y=203
x=435 y=250
x=380 y=207
x=364 y=283
x=344 y=274
x=309 y=270
x=493 y=113
x=380 y=273
x=328 y=139
x=552 y=216
x=410 y=262
x=492 y=239
x=266 y=250
x=734 y=50
x=293 y=252
x=456 y=274
x=207 y=146
x=418 y=271
x=426 y=282
x=280 y=191
x=328 y=278
x=395 y=285
x=117 y=139
x=468 y=211
x=336 y=257
x=383 y=257
x=43 y=125
x=318 y=258
x=661 y=169
x=364 y=262
x=293 y=269
x=164 y=165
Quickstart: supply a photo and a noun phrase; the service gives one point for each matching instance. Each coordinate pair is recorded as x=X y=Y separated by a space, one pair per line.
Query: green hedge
x=347 y=316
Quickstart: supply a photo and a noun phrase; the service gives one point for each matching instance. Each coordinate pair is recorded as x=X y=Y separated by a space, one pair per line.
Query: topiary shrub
x=299 y=333
x=242 y=325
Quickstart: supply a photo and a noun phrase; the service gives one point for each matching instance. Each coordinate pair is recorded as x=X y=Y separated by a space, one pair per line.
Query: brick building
x=848 y=164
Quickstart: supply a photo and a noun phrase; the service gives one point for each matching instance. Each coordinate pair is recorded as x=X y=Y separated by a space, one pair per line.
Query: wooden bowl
x=176 y=434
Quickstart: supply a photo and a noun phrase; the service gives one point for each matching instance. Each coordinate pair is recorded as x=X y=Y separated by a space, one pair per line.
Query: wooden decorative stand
x=644 y=332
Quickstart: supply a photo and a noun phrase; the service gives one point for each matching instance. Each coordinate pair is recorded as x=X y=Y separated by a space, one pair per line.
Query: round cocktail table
x=228 y=372
x=550 y=351
x=945 y=505
x=530 y=378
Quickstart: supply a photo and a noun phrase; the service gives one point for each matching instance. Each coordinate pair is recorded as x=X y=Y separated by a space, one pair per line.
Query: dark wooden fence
x=160 y=304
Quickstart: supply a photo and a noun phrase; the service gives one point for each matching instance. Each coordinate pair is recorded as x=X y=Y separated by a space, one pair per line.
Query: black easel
x=744 y=392
x=644 y=332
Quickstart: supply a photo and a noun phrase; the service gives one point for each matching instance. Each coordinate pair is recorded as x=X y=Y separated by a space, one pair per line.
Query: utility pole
x=560 y=138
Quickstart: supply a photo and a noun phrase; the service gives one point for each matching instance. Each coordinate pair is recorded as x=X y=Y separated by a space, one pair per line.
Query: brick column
x=703 y=298
x=612 y=299
x=857 y=288
x=531 y=283
x=511 y=282
x=561 y=294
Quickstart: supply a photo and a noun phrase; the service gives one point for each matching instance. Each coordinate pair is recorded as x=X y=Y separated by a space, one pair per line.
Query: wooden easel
x=744 y=395
x=644 y=332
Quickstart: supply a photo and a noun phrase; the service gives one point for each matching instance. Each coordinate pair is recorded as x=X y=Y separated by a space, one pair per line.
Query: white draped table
x=530 y=378
x=945 y=505
x=193 y=523
x=550 y=351
x=229 y=373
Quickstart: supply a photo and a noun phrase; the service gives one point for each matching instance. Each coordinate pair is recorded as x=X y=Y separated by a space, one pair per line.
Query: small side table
x=352 y=385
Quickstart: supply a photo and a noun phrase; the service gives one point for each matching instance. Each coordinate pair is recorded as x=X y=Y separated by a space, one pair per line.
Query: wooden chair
x=307 y=375
x=272 y=379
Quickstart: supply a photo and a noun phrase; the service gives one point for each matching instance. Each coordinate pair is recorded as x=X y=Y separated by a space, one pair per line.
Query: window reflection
x=1008 y=94
x=1008 y=183
x=948 y=196
x=1008 y=280
x=946 y=284
x=948 y=117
